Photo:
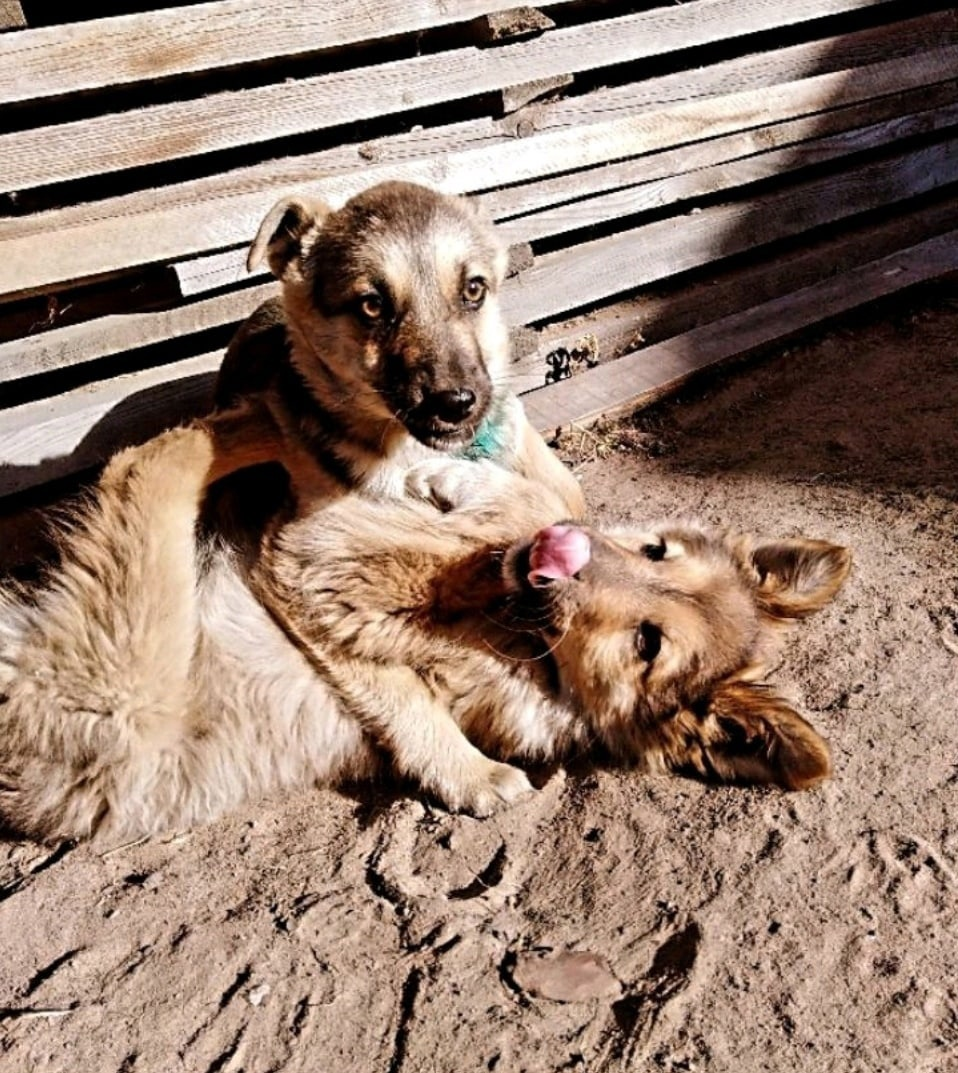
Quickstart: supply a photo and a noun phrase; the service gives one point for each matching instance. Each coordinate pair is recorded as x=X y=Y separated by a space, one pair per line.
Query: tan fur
x=145 y=687
x=366 y=401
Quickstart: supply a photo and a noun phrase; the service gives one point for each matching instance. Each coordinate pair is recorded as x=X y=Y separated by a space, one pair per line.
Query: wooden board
x=106 y=336
x=593 y=271
x=763 y=67
x=45 y=440
x=673 y=308
x=150 y=135
x=42 y=441
x=635 y=378
x=91 y=247
x=57 y=60
x=705 y=181
x=862 y=48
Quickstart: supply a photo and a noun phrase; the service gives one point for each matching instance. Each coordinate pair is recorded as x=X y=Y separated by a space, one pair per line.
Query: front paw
x=485 y=788
x=451 y=484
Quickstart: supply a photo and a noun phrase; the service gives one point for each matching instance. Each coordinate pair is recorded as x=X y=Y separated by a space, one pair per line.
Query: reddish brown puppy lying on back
x=152 y=684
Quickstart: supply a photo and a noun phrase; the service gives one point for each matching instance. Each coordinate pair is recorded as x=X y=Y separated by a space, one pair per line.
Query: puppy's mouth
x=441 y=435
x=447 y=421
x=554 y=556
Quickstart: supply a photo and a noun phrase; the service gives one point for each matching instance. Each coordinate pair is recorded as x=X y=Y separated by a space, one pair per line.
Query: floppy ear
x=288 y=231
x=748 y=734
x=798 y=577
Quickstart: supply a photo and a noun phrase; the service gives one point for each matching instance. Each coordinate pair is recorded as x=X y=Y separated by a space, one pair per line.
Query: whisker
x=526 y=659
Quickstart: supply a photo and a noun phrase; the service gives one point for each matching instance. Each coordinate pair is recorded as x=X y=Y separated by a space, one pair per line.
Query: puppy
x=388 y=348
x=150 y=685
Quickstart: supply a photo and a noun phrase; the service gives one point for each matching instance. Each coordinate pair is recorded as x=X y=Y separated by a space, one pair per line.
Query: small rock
x=258 y=995
x=566 y=976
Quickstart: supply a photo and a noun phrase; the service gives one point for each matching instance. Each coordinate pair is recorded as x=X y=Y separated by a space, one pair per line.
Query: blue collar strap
x=492 y=437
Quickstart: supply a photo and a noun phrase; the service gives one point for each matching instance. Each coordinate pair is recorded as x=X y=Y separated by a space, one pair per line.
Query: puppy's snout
x=453 y=405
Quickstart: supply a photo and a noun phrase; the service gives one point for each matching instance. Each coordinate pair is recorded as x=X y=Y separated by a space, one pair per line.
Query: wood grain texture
x=46 y=249
x=221 y=121
x=115 y=334
x=820 y=57
x=767 y=67
x=49 y=439
x=590 y=272
x=703 y=181
x=42 y=441
x=594 y=271
x=663 y=176
x=523 y=198
x=56 y=60
x=637 y=377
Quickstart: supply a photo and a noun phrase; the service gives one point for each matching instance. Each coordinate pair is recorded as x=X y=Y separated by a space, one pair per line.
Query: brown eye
x=371 y=306
x=648 y=641
x=474 y=292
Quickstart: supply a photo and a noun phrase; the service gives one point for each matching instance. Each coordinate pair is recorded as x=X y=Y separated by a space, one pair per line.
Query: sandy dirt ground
x=730 y=929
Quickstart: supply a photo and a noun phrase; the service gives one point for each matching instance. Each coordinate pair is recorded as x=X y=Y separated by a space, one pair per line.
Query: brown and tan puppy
x=146 y=686
x=388 y=349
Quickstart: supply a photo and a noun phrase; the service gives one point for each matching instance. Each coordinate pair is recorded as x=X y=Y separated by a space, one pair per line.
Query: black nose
x=454 y=405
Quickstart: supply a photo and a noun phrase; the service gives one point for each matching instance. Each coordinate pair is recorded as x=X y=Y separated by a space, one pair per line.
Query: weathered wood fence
x=701 y=178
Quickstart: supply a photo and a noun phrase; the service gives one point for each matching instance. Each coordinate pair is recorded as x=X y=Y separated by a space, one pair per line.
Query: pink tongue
x=557 y=552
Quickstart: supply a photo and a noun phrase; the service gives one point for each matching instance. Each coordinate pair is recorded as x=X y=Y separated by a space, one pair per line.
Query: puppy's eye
x=474 y=292
x=371 y=306
x=655 y=552
x=648 y=641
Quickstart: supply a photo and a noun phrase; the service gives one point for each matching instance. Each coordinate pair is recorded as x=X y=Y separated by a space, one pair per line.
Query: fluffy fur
x=151 y=685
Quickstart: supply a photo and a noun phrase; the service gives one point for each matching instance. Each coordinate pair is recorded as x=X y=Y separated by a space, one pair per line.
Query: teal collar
x=491 y=439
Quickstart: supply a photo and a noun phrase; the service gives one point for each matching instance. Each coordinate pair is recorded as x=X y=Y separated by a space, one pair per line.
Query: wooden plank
x=515 y=201
x=585 y=274
x=11 y=18
x=765 y=68
x=679 y=306
x=115 y=334
x=624 y=384
x=57 y=60
x=45 y=249
x=710 y=180
x=42 y=441
x=899 y=40
x=558 y=282
x=899 y=116
x=78 y=149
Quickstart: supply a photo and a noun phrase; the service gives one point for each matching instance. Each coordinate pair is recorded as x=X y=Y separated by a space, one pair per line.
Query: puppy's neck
x=346 y=434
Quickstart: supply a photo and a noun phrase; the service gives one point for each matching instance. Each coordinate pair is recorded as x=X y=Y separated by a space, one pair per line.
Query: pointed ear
x=290 y=228
x=750 y=735
x=799 y=577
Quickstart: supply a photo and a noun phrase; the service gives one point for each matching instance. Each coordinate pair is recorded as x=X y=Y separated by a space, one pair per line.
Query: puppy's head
x=393 y=301
x=662 y=641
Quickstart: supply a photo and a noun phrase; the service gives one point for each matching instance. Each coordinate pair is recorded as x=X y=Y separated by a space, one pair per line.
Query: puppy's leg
x=395 y=706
